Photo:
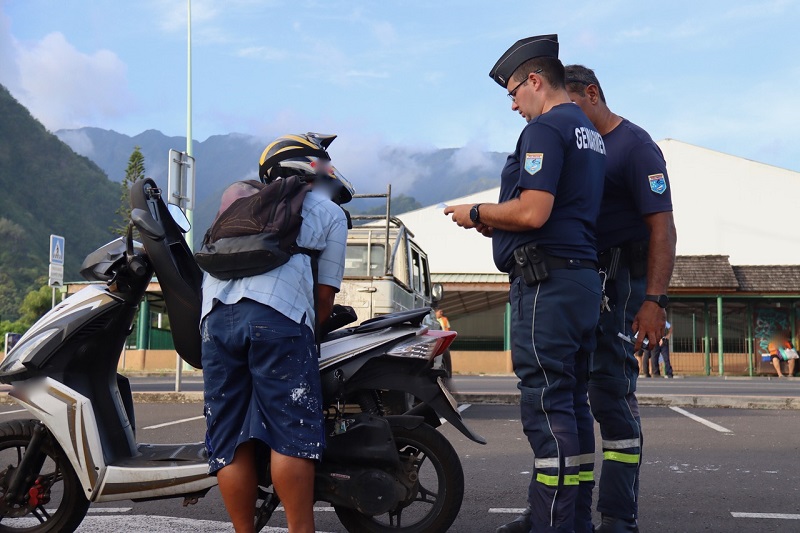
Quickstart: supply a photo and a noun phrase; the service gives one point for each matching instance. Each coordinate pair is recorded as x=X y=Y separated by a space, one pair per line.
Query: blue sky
x=718 y=74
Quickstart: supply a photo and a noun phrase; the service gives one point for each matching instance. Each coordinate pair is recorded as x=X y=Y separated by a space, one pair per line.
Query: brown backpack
x=255 y=232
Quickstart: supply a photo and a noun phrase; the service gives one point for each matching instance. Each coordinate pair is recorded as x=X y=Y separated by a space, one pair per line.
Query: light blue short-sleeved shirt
x=289 y=289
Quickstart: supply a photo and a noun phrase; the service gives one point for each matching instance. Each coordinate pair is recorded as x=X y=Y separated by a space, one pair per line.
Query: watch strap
x=661 y=299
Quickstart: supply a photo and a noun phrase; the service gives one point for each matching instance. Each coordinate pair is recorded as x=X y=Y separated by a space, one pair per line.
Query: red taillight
x=444 y=339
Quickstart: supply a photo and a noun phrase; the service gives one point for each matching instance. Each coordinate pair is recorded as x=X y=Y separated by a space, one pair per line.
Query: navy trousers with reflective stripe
x=553 y=332
x=612 y=387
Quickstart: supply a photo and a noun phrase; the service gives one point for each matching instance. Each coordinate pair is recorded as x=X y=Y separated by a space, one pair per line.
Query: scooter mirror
x=144 y=222
x=437 y=291
x=179 y=217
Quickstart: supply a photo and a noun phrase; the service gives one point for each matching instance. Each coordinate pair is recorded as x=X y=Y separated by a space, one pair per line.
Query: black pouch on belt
x=531 y=263
x=609 y=262
x=637 y=254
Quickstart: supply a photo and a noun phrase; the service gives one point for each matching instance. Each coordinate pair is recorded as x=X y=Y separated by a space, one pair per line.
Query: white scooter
x=381 y=472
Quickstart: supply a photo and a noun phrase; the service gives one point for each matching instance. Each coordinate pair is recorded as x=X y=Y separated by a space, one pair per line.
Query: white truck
x=386 y=271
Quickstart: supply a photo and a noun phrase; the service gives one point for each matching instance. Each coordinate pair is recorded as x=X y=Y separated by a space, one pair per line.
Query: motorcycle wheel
x=440 y=490
x=62 y=504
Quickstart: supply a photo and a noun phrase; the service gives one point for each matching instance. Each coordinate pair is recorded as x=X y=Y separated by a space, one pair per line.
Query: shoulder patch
x=658 y=184
x=533 y=163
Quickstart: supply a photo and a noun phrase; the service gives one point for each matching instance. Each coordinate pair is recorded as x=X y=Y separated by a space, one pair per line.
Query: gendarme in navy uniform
x=636 y=242
x=542 y=231
x=559 y=152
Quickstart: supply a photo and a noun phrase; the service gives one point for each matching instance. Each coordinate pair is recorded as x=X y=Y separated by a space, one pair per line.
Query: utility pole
x=189 y=212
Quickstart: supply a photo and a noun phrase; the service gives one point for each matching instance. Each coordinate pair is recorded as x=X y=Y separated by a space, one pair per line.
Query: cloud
x=79 y=141
x=366 y=74
x=262 y=53
x=9 y=74
x=66 y=88
x=472 y=156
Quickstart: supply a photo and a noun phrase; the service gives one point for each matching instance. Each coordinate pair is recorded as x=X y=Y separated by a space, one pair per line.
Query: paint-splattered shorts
x=261 y=381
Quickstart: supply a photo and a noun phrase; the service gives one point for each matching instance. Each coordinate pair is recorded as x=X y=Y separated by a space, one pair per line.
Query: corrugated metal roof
x=470 y=278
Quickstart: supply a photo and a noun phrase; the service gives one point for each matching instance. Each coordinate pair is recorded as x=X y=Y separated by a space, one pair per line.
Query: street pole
x=189 y=214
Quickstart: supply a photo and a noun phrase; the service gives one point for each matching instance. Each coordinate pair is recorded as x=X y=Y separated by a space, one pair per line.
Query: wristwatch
x=660 y=299
x=474 y=214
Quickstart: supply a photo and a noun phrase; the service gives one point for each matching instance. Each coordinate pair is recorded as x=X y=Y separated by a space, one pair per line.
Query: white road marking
x=175 y=422
x=461 y=408
x=703 y=421
x=506 y=510
x=109 y=509
x=11 y=412
x=781 y=516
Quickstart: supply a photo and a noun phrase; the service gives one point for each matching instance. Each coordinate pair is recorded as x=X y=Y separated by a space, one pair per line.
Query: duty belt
x=555 y=263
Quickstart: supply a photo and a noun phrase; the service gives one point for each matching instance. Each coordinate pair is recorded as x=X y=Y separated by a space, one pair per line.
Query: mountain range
x=422 y=177
x=68 y=183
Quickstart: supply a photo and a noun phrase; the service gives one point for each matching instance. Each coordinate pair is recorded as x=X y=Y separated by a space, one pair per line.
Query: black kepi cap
x=520 y=52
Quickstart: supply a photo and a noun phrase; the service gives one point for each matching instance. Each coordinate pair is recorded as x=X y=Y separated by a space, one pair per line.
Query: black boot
x=612 y=524
x=521 y=524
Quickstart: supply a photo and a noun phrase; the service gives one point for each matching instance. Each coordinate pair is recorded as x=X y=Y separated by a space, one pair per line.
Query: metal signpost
x=11 y=340
x=55 y=272
x=180 y=191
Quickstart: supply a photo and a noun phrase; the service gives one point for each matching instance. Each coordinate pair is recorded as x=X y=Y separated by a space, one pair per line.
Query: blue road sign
x=56 y=249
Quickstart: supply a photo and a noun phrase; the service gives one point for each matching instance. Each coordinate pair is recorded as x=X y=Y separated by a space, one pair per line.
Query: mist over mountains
x=427 y=176
x=68 y=184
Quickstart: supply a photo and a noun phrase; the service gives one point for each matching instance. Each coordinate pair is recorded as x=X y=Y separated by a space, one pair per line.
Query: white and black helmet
x=306 y=155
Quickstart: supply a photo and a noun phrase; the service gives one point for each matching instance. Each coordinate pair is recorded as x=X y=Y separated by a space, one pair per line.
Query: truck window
x=416 y=270
x=426 y=277
x=401 y=265
x=364 y=261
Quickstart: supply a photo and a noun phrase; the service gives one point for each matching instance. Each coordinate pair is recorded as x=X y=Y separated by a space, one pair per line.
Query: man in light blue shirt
x=260 y=364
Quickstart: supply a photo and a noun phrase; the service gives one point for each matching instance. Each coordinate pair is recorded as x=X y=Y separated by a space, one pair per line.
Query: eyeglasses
x=513 y=93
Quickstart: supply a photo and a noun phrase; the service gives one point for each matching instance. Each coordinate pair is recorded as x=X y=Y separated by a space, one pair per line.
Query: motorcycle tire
x=63 y=504
x=440 y=492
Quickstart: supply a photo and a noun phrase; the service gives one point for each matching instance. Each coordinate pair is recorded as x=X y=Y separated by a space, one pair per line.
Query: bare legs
x=292 y=477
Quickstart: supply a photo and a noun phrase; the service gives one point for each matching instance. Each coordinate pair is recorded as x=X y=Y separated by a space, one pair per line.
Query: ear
x=593 y=93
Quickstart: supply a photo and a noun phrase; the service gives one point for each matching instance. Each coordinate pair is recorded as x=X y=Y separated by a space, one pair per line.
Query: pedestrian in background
x=443 y=321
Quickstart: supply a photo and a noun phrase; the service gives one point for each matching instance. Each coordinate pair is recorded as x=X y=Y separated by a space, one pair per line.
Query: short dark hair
x=579 y=77
x=551 y=69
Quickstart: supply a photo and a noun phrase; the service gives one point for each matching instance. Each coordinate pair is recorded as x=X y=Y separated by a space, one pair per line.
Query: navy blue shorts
x=261 y=381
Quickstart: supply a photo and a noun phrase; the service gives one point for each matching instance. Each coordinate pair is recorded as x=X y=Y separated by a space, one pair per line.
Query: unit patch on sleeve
x=533 y=163
x=658 y=184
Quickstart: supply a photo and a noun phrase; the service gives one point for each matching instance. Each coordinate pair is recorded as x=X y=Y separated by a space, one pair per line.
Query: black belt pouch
x=532 y=264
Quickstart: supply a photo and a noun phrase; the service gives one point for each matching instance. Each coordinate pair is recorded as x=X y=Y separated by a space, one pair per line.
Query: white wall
x=723 y=205
x=732 y=206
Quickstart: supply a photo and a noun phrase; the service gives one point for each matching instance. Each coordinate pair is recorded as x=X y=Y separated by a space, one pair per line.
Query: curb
x=656 y=400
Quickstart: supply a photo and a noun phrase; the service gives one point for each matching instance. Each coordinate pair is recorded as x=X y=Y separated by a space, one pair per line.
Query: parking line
x=507 y=510
x=175 y=422
x=781 y=516
x=703 y=421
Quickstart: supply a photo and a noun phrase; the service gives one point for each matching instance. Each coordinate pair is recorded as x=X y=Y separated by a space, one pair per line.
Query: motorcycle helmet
x=305 y=155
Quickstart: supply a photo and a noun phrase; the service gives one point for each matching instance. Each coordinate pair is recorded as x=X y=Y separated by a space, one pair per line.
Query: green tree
x=35 y=304
x=133 y=173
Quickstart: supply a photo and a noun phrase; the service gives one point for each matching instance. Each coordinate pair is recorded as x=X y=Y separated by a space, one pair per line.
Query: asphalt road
x=734 y=392
x=703 y=470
